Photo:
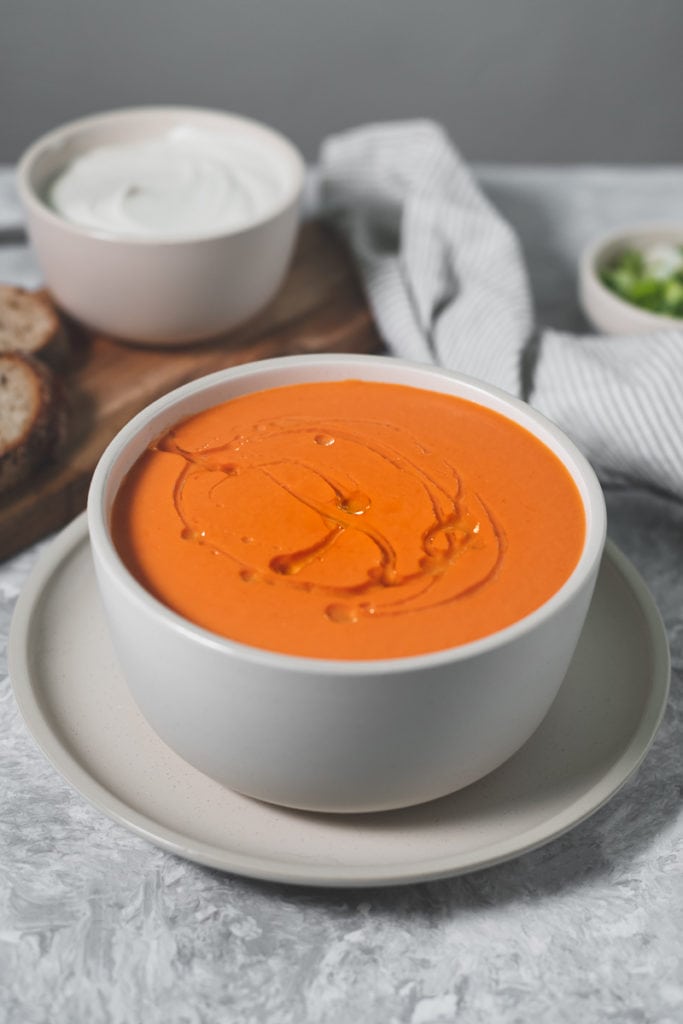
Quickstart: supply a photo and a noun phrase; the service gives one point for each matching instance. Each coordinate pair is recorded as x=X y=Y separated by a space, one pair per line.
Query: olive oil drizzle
x=455 y=528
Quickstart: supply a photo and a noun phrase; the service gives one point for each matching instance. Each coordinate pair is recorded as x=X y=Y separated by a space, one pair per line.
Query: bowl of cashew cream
x=162 y=225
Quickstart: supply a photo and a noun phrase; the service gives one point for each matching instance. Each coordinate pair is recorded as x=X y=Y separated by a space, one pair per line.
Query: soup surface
x=349 y=519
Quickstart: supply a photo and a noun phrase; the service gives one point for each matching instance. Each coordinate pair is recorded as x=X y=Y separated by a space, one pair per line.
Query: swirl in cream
x=187 y=183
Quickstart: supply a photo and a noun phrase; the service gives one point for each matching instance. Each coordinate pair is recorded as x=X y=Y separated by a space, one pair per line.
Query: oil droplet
x=166 y=444
x=324 y=439
x=342 y=613
x=356 y=504
x=383 y=576
x=187 y=533
x=285 y=565
x=250 y=575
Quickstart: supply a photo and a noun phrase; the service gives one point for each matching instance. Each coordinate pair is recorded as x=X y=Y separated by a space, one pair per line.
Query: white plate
x=76 y=703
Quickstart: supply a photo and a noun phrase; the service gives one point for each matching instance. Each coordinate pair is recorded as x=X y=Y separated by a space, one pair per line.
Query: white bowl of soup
x=344 y=583
x=162 y=225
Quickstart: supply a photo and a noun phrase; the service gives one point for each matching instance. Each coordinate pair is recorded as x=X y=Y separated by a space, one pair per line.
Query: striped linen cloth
x=446 y=281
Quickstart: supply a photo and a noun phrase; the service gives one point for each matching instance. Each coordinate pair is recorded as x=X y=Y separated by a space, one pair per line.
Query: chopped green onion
x=651 y=278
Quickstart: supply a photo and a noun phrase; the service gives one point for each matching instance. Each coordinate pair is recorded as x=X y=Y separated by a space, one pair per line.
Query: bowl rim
x=590 y=259
x=591 y=553
x=34 y=203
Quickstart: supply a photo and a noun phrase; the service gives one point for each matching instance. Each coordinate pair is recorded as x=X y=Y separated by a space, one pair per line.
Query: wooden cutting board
x=320 y=308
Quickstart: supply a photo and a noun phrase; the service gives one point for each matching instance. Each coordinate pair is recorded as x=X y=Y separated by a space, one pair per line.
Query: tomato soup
x=349 y=519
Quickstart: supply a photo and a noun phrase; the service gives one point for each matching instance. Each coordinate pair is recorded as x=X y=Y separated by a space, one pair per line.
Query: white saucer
x=76 y=704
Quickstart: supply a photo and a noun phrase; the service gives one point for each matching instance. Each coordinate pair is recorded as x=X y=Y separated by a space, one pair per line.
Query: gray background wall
x=519 y=80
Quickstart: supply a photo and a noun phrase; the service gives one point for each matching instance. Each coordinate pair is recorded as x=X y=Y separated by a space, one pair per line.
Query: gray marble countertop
x=97 y=925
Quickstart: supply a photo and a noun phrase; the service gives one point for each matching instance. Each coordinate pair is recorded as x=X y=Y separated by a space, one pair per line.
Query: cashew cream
x=184 y=184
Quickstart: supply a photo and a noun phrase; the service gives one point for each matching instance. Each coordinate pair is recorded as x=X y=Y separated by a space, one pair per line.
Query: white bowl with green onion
x=631 y=280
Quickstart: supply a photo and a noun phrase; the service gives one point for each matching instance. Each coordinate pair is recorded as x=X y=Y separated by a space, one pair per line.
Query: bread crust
x=44 y=335
x=44 y=430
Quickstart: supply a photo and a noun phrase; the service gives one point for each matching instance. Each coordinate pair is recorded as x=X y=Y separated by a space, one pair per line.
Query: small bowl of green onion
x=631 y=280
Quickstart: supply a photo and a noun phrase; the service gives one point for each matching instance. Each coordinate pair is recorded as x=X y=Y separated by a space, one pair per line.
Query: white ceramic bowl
x=156 y=290
x=338 y=735
x=604 y=309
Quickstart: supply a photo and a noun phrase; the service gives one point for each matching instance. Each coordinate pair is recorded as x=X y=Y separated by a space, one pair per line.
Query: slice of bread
x=30 y=324
x=32 y=417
